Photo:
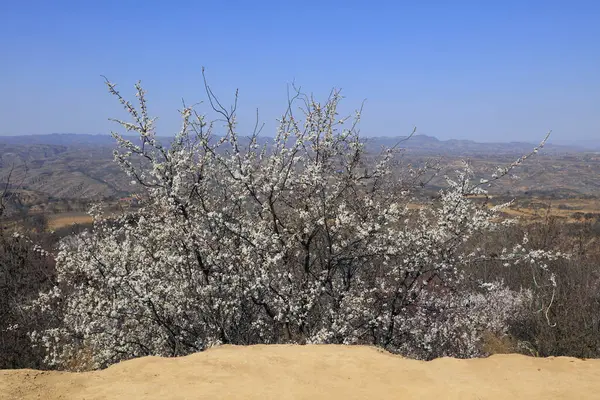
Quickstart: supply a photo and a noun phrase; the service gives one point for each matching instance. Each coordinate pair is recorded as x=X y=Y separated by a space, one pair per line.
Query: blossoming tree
x=306 y=238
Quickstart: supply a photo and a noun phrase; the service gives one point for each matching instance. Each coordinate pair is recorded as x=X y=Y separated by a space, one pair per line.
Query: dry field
x=56 y=221
x=566 y=209
x=313 y=372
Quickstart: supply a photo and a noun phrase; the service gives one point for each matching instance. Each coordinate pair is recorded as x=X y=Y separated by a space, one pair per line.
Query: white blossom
x=270 y=244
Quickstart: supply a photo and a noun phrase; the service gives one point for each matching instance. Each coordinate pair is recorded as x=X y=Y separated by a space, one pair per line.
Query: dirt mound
x=313 y=372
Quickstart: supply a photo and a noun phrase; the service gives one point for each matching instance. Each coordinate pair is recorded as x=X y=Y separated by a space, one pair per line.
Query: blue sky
x=482 y=70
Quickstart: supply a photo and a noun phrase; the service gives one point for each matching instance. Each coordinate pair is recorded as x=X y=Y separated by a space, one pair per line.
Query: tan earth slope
x=313 y=372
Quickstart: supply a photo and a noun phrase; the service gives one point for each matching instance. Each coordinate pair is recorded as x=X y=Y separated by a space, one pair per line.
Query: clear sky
x=482 y=70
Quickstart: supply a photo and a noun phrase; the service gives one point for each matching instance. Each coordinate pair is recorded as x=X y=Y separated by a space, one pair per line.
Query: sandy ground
x=314 y=372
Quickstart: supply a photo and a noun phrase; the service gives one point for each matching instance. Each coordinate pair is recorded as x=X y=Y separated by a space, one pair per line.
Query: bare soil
x=313 y=372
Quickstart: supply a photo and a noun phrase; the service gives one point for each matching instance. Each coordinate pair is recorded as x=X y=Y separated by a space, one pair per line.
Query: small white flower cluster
x=301 y=240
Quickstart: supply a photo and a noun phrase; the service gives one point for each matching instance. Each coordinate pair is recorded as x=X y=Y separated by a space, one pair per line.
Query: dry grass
x=81 y=360
x=494 y=344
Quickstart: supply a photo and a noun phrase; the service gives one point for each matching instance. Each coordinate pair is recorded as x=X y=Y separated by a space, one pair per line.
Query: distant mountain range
x=60 y=139
x=424 y=144
x=421 y=144
x=56 y=167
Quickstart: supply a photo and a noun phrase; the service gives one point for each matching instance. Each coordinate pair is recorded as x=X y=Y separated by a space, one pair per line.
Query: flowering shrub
x=304 y=239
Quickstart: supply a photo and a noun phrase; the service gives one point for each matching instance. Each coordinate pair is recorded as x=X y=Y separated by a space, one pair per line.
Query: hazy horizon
x=589 y=145
x=482 y=72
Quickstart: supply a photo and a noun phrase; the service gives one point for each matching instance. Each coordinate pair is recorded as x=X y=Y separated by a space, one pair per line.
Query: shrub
x=305 y=238
x=570 y=326
x=25 y=269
